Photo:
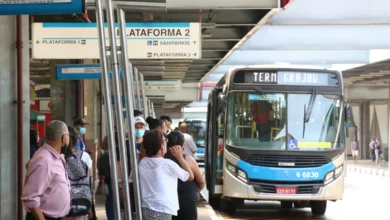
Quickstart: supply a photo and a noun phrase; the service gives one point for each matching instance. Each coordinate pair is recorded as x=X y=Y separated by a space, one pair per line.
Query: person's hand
x=176 y=151
x=27 y=164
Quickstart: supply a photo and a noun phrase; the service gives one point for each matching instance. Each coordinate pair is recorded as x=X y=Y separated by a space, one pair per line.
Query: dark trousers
x=373 y=154
x=188 y=211
x=264 y=132
x=29 y=216
x=110 y=204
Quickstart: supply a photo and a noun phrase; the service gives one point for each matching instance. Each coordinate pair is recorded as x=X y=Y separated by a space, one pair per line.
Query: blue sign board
x=80 y=72
x=41 y=7
x=254 y=97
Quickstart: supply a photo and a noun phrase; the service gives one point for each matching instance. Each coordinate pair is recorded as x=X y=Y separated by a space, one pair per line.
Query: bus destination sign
x=286 y=78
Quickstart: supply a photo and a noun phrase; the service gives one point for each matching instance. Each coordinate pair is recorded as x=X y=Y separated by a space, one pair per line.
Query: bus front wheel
x=215 y=202
x=318 y=207
x=232 y=204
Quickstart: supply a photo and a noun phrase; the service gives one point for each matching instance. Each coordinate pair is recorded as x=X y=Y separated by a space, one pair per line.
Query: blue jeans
x=110 y=204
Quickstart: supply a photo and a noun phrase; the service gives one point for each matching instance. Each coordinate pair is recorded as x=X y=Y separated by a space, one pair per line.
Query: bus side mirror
x=347 y=113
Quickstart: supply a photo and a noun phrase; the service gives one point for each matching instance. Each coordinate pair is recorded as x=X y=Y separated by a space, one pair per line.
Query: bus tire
x=318 y=207
x=233 y=204
x=215 y=202
x=286 y=204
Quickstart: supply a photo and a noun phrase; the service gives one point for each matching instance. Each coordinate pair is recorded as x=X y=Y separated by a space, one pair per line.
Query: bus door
x=212 y=144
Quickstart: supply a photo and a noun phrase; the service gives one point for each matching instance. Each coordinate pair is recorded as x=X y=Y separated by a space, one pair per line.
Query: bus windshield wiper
x=260 y=92
x=307 y=111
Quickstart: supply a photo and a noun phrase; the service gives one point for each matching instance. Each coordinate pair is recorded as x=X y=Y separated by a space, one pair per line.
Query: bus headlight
x=329 y=177
x=239 y=174
x=332 y=175
x=338 y=171
x=231 y=168
x=242 y=175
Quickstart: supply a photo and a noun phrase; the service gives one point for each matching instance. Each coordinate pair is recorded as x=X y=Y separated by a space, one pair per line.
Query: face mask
x=83 y=130
x=37 y=139
x=147 y=128
x=139 y=133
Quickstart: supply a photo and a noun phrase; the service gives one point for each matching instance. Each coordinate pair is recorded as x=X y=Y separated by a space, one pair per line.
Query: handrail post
x=108 y=105
x=118 y=107
x=128 y=83
x=144 y=100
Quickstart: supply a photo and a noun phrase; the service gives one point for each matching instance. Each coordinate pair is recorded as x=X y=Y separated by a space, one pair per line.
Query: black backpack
x=80 y=184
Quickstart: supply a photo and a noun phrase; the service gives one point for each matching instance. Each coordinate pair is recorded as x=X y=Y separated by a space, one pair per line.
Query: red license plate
x=286 y=190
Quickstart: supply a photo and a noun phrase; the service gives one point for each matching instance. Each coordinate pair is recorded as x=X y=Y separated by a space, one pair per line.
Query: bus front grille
x=311 y=187
x=287 y=161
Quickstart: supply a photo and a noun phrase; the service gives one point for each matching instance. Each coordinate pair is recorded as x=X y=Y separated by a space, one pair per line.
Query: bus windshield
x=283 y=121
x=197 y=129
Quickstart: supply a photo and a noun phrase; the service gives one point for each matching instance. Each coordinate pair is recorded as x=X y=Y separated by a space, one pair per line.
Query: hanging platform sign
x=162 y=84
x=80 y=72
x=144 y=40
x=41 y=7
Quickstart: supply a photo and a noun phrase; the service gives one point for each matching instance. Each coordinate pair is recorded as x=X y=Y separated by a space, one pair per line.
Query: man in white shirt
x=372 y=148
x=190 y=147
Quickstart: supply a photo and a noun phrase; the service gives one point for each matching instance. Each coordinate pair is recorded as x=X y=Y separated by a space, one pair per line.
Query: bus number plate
x=286 y=190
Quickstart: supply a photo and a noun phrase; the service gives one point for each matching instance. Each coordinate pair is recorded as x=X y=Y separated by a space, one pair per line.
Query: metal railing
x=116 y=61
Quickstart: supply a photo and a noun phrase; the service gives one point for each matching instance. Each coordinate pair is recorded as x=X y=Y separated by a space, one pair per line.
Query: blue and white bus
x=277 y=133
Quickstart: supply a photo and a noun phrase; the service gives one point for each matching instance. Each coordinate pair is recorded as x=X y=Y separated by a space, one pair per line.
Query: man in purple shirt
x=46 y=193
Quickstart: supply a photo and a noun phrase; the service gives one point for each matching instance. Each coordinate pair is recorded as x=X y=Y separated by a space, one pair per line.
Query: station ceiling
x=373 y=73
x=221 y=30
x=318 y=33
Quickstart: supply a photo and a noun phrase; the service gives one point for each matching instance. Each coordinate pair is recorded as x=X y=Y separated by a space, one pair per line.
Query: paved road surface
x=366 y=197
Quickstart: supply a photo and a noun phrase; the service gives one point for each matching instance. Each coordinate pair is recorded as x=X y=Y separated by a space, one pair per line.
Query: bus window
x=255 y=120
x=320 y=129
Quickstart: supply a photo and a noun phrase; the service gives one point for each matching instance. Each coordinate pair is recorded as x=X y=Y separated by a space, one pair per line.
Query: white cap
x=139 y=119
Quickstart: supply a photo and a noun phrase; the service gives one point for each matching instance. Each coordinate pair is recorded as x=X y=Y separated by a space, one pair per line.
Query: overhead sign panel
x=39 y=7
x=79 y=72
x=294 y=78
x=144 y=40
x=162 y=84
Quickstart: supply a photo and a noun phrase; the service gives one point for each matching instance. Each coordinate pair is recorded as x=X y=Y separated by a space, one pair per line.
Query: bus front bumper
x=235 y=188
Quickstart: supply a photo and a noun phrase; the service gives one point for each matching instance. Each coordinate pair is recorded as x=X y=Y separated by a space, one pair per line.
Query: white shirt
x=189 y=145
x=158 y=184
x=372 y=145
x=87 y=159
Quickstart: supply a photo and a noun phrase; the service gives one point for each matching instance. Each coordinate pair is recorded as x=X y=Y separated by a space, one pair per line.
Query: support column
x=388 y=130
x=365 y=129
x=8 y=113
x=91 y=109
x=63 y=96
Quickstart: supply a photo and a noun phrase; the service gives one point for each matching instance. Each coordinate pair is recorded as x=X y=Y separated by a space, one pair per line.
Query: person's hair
x=152 y=142
x=166 y=117
x=175 y=138
x=137 y=113
x=73 y=138
x=55 y=130
x=149 y=120
x=155 y=124
x=33 y=137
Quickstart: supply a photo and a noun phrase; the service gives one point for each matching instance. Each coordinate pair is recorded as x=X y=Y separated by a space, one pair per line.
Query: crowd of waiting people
x=59 y=179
